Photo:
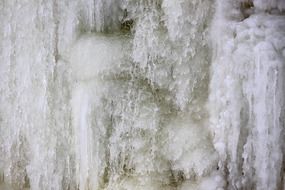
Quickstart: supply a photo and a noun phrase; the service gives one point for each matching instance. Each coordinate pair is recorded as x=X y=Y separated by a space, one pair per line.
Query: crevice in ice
x=246 y=8
x=126 y=23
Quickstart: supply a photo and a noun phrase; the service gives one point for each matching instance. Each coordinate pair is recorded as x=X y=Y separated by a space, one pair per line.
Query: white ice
x=142 y=94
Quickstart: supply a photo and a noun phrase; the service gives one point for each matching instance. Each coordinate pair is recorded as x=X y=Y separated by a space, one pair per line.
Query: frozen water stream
x=142 y=94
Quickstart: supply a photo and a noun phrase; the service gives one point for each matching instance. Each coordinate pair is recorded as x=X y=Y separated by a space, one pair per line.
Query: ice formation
x=142 y=94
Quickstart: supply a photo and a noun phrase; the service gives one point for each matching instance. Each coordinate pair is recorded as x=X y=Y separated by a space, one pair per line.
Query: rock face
x=142 y=94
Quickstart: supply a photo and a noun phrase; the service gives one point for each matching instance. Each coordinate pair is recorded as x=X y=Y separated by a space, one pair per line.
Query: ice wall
x=142 y=94
x=247 y=94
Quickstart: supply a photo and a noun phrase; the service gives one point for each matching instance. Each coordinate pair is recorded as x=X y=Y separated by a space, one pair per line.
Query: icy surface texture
x=247 y=96
x=142 y=94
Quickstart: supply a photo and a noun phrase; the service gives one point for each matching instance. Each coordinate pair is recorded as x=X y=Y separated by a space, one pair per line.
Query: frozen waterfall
x=142 y=94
